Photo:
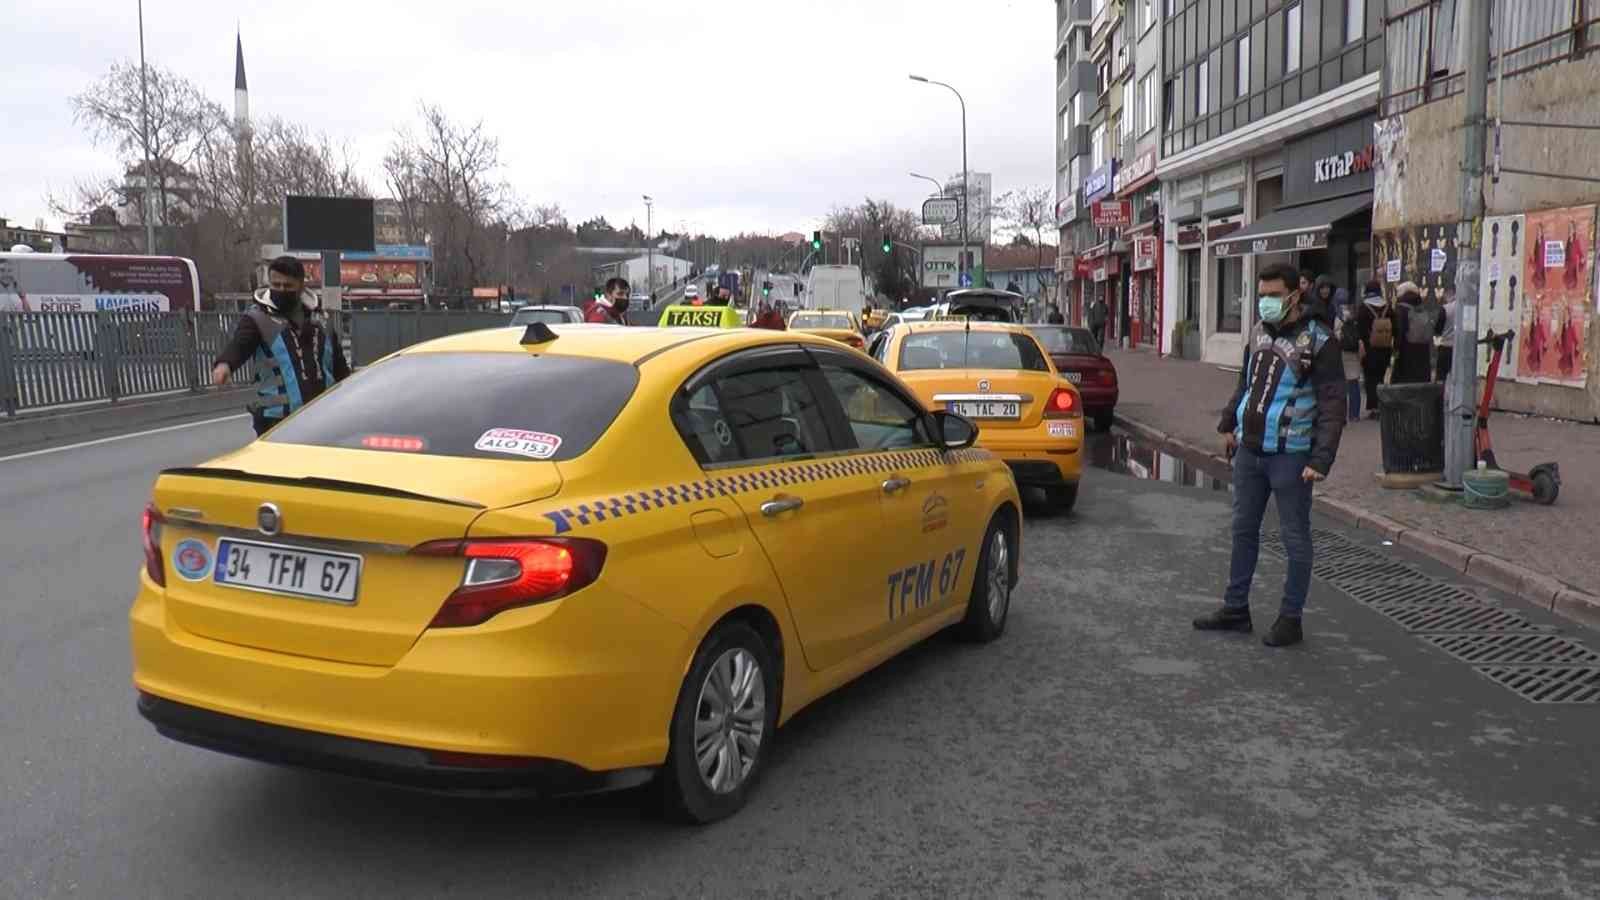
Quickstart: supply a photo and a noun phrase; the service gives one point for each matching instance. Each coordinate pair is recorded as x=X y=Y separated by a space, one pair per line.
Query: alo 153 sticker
x=532 y=444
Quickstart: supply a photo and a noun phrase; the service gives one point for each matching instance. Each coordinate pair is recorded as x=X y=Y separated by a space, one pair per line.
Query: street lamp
x=144 y=113
x=938 y=188
x=650 y=251
x=966 y=194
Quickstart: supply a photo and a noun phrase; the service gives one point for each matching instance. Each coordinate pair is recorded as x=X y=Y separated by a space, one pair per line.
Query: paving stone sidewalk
x=1558 y=545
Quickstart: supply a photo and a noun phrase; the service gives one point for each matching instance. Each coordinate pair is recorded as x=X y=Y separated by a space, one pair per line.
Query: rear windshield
x=821 y=321
x=971 y=350
x=1067 y=340
x=478 y=405
x=547 y=316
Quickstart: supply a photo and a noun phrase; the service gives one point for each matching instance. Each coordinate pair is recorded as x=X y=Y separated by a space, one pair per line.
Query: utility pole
x=1459 y=450
x=650 y=247
x=149 y=169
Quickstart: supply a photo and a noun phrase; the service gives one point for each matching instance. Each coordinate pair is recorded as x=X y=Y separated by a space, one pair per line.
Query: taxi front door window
x=878 y=418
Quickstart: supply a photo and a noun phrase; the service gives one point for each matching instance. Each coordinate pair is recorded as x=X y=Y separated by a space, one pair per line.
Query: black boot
x=1227 y=618
x=1285 y=633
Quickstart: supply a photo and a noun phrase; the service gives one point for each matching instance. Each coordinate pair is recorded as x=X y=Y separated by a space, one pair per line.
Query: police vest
x=278 y=388
x=699 y=317
x=1279 y=402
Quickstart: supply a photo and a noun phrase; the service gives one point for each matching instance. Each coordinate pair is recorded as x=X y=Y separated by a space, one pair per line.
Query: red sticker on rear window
x=532 y=444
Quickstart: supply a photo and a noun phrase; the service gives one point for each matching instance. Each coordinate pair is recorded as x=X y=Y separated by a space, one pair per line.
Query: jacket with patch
x=1291 y=393
x=294 y=362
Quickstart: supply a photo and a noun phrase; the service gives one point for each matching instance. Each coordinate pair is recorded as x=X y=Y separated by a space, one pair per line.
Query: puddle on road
x=1127 y=455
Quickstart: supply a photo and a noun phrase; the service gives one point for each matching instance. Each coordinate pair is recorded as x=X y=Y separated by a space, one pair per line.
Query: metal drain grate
x=1415 y=617
x=1512 y=649
x=1548 y=684
x=1363 y=569
x=1415 y=591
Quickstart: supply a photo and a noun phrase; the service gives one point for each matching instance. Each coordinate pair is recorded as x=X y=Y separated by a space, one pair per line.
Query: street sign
x=966 y=279
x=941 y=211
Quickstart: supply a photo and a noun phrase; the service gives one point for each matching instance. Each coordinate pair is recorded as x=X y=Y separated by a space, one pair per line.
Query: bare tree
x=180 y=120
x=1030 y=209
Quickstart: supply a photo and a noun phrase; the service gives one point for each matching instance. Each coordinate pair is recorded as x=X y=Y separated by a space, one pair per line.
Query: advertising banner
x=1500 y=288
x=90 y=283
x=1558 y=279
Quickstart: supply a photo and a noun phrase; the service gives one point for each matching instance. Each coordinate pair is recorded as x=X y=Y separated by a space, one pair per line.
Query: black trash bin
x=1411 y=421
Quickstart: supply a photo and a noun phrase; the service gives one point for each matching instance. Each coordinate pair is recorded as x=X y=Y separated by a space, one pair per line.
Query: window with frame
x=1229 y=299
x=879 y=418
x=1169 y=106
x=1147 y=103
x=1102 y=81
x=1355 y=20
x=752 y=415
x=1077 y=108
x=1202 y=88
x=1244 y=65
x=1291 y=39
x=1128 y=110
x=1147 y=14
x=1097 y=148
x=1075 y=175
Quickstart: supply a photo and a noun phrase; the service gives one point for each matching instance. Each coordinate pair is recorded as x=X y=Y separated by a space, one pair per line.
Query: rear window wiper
x=332 y=484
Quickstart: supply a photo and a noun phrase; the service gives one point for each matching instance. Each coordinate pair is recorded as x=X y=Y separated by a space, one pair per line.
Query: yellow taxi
x=566 y=559
x=997 y=375
x=837 y=324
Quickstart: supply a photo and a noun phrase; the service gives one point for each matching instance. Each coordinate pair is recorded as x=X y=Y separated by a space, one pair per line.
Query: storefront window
x=1230 y=295
x=1191 y=285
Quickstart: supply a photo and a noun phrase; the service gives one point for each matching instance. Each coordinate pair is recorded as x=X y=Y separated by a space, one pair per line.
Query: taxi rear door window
x=752 y=415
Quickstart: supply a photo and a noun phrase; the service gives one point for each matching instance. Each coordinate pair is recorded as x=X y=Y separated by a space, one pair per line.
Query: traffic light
x=766 y=288
x=888 y=244
x=816 y=240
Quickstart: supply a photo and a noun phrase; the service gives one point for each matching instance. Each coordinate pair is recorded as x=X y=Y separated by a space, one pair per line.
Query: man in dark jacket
x=1097 y=319
x=1282 y=429
x=297 y=353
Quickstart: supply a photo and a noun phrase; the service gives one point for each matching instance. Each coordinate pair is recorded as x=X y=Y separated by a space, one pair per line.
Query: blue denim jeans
x=1352 y=397
x=1255 y=478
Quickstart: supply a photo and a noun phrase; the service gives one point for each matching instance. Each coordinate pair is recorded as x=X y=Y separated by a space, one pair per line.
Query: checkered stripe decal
x=778 y=476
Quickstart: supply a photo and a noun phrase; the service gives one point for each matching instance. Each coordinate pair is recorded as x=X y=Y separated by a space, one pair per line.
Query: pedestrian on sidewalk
x=1282 y=429
x=297 y=353
x=1097 y=320
x=1349 y=338
x=1375 y=325
x=1445 y=337
x=1413 y=361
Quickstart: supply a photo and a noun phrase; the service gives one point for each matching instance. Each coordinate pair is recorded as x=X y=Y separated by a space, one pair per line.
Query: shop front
x=1209 y=293
x=1324 y=220
x=1136 y=185
x=1103 y=283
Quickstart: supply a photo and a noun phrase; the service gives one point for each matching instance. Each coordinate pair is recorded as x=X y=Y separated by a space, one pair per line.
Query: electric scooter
x=1542 y=483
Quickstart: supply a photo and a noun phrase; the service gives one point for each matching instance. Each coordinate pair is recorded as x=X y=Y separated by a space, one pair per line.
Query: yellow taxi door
x=929 y=500
x=758 y=423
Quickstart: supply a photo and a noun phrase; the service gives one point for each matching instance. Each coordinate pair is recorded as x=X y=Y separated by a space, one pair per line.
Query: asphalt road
x=1102 y=748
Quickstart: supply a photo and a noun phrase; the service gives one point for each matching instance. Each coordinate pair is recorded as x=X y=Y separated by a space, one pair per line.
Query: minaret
x=241 y=92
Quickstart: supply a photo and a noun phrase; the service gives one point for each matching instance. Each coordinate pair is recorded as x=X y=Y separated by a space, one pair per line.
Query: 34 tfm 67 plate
x=292 y=571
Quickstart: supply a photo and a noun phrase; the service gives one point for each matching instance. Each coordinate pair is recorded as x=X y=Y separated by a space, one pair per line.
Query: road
x=1102 y=748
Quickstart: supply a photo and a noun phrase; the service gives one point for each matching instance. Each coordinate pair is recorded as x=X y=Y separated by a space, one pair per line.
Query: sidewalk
x=1537 y=552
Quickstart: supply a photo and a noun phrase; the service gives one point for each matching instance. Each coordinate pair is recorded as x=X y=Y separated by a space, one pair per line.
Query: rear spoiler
x=330 y=484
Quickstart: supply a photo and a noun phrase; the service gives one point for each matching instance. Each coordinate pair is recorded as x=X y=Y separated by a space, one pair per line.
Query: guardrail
x=63 y=359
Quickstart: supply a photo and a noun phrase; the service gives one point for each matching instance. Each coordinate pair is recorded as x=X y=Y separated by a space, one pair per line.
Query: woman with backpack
x=1413 y=363
x=1375 y=330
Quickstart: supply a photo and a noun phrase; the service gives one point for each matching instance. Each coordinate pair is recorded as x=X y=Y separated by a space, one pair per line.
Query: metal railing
x=54 y=360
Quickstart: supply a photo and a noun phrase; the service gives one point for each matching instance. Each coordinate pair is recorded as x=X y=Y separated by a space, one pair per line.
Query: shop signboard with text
x=1289 y=242
x=1144 y=252
x=1332 y=162
x=1099 y=182
x=1140 y=173
x=1111 y=213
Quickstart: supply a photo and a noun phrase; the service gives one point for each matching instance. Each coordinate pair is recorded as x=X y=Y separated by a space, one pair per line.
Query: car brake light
x=1063 y=403
x=150 y=526
x=506 y=573
x=855 y=342
x=1108 y=376
x=402 y=443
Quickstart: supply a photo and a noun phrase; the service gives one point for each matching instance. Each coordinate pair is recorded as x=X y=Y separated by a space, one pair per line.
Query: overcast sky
x=734 y=114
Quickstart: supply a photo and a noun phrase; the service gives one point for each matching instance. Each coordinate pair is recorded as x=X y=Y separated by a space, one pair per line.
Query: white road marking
x=122 y=437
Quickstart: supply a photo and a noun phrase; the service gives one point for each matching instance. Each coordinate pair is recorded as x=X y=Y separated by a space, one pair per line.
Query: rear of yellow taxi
x=334 y=596
x=997 y=375
x=834 y=324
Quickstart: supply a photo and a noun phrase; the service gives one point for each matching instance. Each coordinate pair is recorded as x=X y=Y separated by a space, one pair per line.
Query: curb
x=29 y=432
x=1530 y=586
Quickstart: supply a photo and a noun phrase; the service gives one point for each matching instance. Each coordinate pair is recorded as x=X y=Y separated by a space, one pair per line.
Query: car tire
x=989 y=606
x=1104 y=420
x=720 y=674
x=1061 y=499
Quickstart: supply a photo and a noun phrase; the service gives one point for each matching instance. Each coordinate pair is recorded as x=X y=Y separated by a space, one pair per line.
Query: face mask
x=286 y=301
x=1271 y=309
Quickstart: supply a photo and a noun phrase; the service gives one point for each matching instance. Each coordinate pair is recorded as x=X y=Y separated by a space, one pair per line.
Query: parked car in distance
x=1080 y=358
x=549 y=315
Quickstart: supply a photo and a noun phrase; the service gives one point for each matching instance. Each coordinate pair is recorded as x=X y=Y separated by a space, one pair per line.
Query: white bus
x=86 y=282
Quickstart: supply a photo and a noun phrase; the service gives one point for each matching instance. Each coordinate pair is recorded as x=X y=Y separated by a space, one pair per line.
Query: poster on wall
x=1422 y=254
x=1499 y=290
x=1558 y=287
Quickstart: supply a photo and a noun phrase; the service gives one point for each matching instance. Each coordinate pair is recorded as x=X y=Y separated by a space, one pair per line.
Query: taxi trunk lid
x=347 y=588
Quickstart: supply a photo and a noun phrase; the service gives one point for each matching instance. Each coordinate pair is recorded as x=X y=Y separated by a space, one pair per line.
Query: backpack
x=1349 y=340
x=1419 y=324
x=1382 y=330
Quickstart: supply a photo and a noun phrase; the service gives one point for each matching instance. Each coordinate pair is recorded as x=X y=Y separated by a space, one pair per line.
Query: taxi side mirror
x=955 y=431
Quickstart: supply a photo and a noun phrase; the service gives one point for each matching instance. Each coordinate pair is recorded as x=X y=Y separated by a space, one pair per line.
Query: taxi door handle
x=777 y=506
x=896 y=485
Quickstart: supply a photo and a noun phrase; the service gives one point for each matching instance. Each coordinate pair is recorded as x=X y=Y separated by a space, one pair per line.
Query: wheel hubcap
x=730 y=720
x=999 y=576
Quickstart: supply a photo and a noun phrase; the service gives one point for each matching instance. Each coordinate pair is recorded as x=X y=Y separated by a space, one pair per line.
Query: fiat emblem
x=983 y=386
x=269 y=520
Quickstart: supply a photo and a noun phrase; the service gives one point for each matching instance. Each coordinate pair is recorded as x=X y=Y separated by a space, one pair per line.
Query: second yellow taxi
x=838 y=324
x=999 y=376
x=564 y=559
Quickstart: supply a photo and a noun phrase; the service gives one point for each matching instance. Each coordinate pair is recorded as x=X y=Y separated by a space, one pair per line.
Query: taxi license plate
x=291 y=571
x=988 y=409
x=1075 y=377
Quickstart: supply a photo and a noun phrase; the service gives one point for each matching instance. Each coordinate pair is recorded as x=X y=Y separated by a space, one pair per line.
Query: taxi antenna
x=538 y=333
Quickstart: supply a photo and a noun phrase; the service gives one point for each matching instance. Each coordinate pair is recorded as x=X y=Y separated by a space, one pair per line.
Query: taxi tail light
x=506 y=573
x=1063 y=404
x=150 y=527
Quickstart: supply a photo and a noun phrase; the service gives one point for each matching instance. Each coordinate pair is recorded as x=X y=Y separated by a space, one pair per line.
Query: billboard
x=328 y=223
x=50 y=282
x=941 y=211
x=1552 y=345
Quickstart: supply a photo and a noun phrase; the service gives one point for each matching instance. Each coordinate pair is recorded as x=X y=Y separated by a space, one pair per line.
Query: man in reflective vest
x=297 y=353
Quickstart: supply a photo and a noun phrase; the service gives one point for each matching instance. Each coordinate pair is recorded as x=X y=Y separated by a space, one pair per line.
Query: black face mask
x=286 y=301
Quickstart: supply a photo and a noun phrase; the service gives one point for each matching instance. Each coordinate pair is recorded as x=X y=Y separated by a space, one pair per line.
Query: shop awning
x=1294 y=228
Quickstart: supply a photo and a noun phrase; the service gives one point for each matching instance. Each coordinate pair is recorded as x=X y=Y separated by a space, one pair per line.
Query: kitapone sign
x=1343 y=165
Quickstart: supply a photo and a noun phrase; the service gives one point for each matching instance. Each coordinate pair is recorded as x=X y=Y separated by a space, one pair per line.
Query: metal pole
x=149 y=169
x=1460 y=453
x=966 y=190
x=650 y=247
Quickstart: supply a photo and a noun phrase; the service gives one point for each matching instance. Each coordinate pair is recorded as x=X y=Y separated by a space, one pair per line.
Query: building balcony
x=1081 y=77
x=1076 y=142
